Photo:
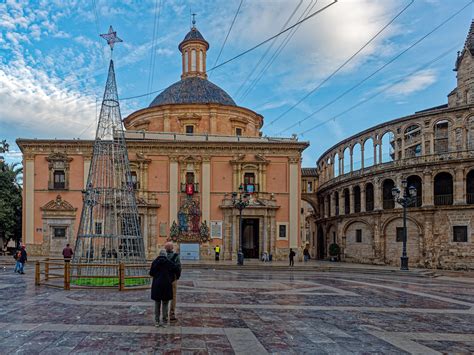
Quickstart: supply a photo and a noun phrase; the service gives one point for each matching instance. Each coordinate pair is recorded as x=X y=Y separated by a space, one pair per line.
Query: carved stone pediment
x=190 y=159
x=58 y=205
x=58 y=159
x=257 y=159
x=237 y=120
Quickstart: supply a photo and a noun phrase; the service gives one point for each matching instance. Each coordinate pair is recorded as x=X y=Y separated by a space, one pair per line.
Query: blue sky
x=53 y=64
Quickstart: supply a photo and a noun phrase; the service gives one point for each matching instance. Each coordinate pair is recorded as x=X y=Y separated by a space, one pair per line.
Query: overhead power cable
x=228 y=33
x=267 y=50
x=277 y=52
x=153 y=44
x=424 y=66
x=348 y=60
x=272 y=37
x=378 y=70
x=248 y=50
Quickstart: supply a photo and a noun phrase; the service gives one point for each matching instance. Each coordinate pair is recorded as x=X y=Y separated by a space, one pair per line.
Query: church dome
x=193 y=90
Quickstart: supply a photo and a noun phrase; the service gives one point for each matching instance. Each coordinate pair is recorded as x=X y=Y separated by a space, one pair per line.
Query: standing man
x=292 y=257
x=218 y=250
x=173 y=257
x=67 y=253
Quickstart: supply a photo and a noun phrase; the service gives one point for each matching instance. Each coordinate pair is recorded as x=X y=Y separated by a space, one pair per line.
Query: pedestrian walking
x=162 y=270
x=217 y=249
x=306 y=254
x=292 y=257
x=17 y=256
x=174 y=258
x=67 y=253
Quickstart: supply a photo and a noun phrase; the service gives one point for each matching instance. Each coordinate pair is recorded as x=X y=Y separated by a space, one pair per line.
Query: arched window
x=356 y=199
x=347 y=161
x=412 y=136
x=356 y=157
x=369 y=158
x=388 y=147
x=347 y=201
x=186 y=61
x=470 y=188
x=443 y=189
x=415 y=181
x=369 y=197
x=441 y=137
x=336 y=202
x=336 y=165
x=470 y=132
x=250 y=183
x=193 y=60
x=388 y=201
x=201 y=61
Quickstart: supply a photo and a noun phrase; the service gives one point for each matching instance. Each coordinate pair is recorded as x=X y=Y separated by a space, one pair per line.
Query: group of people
x=166 y=271
x=292 y=254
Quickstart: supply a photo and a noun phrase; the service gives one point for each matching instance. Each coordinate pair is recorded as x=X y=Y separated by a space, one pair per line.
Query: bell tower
x=193 y=53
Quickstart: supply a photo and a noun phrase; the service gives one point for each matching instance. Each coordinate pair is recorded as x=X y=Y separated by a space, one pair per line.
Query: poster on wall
x=216 y=229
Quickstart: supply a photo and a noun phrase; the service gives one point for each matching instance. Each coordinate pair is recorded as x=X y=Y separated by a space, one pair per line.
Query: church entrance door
x=250 y=238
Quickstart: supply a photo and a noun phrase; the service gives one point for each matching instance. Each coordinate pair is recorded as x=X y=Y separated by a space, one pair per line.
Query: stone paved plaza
x=246 y=311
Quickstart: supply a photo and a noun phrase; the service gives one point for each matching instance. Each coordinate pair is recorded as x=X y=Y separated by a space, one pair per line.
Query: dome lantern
x=193 y=52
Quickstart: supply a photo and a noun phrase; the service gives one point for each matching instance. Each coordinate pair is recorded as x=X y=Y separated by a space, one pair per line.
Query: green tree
x=10 y=201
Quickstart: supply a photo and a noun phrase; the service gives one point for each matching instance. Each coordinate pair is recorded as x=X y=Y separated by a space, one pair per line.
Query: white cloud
x=417 y=82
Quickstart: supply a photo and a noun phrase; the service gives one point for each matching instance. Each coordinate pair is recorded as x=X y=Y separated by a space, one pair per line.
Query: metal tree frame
x=109 y=230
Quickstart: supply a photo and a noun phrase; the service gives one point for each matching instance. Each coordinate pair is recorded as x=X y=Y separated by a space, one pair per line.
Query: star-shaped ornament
x=111 y=38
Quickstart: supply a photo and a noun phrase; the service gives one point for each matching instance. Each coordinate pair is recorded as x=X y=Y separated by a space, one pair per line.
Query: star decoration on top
x=111 y=38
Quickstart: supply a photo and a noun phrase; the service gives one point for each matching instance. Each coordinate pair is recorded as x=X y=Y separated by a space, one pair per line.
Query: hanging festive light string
x=347 y=61
x=385 y=89
x=379 y=69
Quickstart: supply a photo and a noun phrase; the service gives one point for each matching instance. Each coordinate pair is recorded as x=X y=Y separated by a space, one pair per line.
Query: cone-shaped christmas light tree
x=109 y=231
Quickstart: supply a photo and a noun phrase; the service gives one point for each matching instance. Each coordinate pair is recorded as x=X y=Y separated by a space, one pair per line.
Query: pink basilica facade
x=189 y=151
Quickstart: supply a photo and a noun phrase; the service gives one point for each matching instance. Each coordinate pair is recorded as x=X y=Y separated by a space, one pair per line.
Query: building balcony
x=251 y=188
x=443 y=200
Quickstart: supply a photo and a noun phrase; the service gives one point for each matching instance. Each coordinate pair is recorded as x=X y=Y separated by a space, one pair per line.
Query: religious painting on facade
x=189 y=227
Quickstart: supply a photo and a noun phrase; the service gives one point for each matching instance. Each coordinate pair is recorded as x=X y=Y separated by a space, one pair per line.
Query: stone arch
x=388 y=202
x=356 y=156
x=443 y=188
x=416 y=181
x=469 y=128
x=393 y=248
x=369 y=157
x=441 y=133
x=347 y=160
x=358 y=241
x=336 y=165
x=470 y=187
x=387 y=147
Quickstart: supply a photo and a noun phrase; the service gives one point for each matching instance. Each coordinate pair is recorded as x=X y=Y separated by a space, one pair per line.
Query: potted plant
x=334 y=252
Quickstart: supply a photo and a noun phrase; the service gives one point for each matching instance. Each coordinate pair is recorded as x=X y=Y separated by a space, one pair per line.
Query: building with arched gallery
x=189 y=150
x=433 y=151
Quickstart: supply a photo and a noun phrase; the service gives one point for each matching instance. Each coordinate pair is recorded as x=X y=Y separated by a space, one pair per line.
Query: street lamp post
x=405 y=200
x=240 y=203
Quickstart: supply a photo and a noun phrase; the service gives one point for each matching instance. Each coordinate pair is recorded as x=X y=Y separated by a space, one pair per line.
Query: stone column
x=362 y=198
x=326 y=207
x=352 y=161
x=361 y=157
x=166 y=121
x=29 y=200
x=342 y=210
x=427 y=188
x=380 y=153
x=351 y=199
x=341 y=165
x=265 y=233
x=294 y=201
x=375 y=153
x=458 y=185
x=377 y=195
x=206 y=190
x=173 y=185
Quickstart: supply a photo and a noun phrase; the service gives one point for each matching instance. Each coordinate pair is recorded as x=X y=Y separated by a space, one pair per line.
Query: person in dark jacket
x=162 y=270
x=22 y=259
x=292 y=257
x=67 y=253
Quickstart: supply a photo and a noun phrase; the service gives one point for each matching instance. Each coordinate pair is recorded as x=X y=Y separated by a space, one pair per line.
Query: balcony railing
x=443 y=200
x=388 y=204
x=251 y=188
x=369 y=206
x=194 y=187
x=470 y=198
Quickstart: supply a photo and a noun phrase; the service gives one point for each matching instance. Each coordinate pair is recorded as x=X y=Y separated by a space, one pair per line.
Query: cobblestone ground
x=245 y=311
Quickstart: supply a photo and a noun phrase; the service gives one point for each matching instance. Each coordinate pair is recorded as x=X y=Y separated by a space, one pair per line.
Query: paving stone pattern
x=245 y=312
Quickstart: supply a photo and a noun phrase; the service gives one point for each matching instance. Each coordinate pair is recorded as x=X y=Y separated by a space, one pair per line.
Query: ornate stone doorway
x=250 y=238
